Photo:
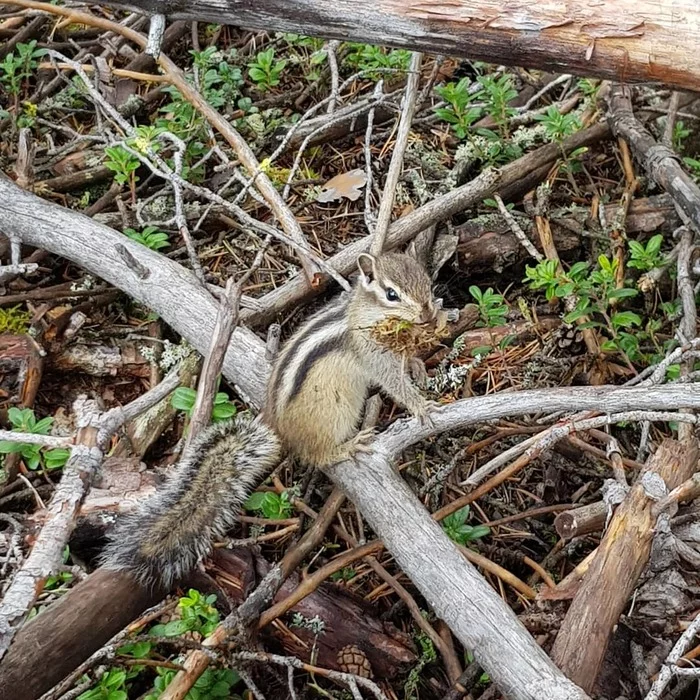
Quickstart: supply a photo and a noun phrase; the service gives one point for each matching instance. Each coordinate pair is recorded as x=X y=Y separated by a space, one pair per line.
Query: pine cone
x=355 y=661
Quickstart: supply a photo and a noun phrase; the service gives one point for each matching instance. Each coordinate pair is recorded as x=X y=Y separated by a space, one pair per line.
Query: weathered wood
x=61 y=513
x=489 y=249
x=660 y=162
x=86 y=617
x=348 y=620
x=21 y=365
x=51 y=645
x=21 y=369
x=581 y=521
x=616 y=566
x=148 y=277
x=626 y=40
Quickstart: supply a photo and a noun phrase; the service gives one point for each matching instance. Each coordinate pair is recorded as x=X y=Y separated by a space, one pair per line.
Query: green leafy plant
x=680 y=134
x=273 y=506
x=151 y=237
x=111 y=686
x=145 y=139
x=265 y=71
x=594 y=293
x=376 y=60
x=492 y=307
x=299 y=40
x=56 y=581
x=345 y=574
x=213 y=684
x=123 y=164
x=646 y=257
x=558 y=125
x=428 y=655
x=220 y=78
x=498 y=92
x=184 y=399
x=589 y=87
x=693 y=166
x=16 y=68
x=34 y=456
x=459 y=113
x=456 y=528
x=197 y=614
x=493 y=149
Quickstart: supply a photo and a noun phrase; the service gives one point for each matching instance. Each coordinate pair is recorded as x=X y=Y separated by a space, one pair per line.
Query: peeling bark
x=623 y=40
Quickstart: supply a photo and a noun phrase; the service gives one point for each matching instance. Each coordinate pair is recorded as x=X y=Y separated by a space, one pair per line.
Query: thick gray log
x=152 y=279
x=626 y=40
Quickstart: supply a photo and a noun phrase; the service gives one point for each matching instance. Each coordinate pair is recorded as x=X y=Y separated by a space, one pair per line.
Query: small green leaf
x=482 y=350
x=16 y=416
x=174 y=628
x=57 y=458
x=625 y=319
x=479 y=531
x=622 y=293
x=255 y=500
x=184 y=398
x=223 y=411
x=7 y=447
x=475 y=292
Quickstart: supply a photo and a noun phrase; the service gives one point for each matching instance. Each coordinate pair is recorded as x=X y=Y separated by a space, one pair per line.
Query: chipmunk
x=315 y=401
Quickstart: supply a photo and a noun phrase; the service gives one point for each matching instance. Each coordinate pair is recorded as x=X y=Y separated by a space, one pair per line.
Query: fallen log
x=624 y=40
x=85 y=618
x=80 y=622
x=616 y=566
x=347 y=620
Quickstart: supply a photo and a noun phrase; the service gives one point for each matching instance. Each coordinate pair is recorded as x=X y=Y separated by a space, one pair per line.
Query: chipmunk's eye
x=391 y=294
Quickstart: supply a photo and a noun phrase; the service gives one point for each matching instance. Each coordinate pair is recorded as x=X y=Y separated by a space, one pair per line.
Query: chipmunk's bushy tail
x=165 y=538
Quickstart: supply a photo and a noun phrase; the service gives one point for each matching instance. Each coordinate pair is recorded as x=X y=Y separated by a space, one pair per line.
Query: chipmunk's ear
x=367 y=264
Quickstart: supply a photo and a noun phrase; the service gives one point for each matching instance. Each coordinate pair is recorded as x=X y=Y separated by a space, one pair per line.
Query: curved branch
x=152 y=279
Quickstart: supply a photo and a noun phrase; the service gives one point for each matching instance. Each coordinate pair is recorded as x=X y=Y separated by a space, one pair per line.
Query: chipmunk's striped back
x=324 y=333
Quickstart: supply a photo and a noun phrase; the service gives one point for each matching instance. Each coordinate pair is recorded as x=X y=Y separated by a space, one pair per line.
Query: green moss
x=14 y=320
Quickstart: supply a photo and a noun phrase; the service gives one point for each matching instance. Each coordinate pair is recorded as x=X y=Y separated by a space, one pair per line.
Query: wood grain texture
x=661 y=163
x=623 y=40
x=51 y=645
x=615 y=569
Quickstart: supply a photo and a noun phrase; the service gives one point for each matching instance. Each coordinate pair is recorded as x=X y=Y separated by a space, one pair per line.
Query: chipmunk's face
x=395 y=285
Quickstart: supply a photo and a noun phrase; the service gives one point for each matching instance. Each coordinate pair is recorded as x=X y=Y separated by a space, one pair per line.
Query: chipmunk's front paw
x=419 y=374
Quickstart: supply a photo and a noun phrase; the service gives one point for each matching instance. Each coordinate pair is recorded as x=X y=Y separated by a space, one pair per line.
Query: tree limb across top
x=622 y=40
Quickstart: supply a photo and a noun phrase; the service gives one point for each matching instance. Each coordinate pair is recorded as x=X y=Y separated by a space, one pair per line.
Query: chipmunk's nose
x=428 y=314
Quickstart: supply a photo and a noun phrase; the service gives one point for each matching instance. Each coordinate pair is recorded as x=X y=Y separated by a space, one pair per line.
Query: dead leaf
x=346 y=185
